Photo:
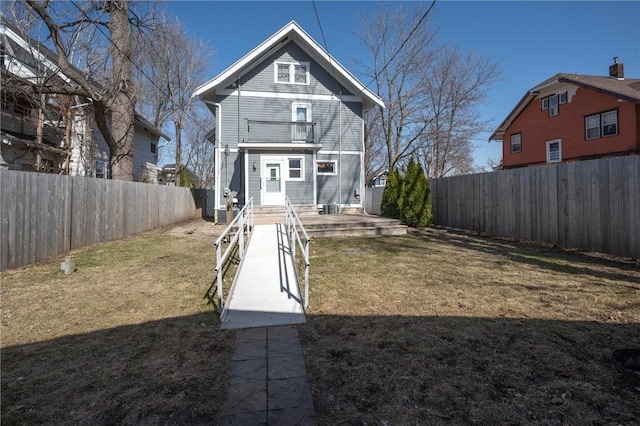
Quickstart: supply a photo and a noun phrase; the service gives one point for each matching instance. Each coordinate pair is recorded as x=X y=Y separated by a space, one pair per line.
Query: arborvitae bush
x=415 y=206
x=391 y=195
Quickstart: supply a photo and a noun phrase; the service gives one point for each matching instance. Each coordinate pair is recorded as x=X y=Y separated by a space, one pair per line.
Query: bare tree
x=174 y=65
x=374 y=146
x=113 y=104
x=199 y=150
x=456 y=85
x=396 y=73
x=432 y=92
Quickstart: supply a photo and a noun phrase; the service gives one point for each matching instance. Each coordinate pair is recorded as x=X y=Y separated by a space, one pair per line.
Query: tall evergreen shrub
x=415 y=206
x=391 y=195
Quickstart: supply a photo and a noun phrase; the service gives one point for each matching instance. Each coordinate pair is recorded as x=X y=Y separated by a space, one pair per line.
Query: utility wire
x=135 y=65
x=406 y=40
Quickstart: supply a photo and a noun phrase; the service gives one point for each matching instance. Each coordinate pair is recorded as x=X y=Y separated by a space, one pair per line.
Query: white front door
x=272 y=183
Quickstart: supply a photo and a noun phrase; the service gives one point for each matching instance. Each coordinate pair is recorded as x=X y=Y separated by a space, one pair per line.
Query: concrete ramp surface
x=265 y=291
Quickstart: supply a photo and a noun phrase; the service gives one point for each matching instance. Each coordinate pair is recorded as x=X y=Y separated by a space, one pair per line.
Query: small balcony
x=258 y=131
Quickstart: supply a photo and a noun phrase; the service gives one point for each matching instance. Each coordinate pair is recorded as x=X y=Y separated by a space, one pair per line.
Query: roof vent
x=616 y=70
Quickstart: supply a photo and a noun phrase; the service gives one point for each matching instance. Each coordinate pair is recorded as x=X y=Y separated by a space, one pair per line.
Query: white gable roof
x=290 y=32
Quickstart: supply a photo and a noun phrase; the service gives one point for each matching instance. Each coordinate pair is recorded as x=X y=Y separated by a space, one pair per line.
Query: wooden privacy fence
x=45 y=215
x=589 y=205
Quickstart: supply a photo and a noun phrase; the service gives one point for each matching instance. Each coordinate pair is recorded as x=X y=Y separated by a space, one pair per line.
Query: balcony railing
x=279 y=131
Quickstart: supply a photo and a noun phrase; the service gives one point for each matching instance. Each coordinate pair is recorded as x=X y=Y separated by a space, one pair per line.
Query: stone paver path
x=267 y=380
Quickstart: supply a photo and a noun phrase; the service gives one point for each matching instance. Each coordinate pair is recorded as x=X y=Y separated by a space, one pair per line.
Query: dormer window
x=551 y=103
x=292 y=72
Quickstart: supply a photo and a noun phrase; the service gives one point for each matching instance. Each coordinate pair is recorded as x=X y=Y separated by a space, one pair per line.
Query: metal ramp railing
x=244 y=222
x=295 y=230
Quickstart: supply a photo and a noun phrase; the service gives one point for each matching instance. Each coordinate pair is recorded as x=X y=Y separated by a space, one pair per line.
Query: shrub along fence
x=45 y=215
x=589 y=205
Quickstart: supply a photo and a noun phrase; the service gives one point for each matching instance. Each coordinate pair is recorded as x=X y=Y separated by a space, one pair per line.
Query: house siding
x=142 y=154
x=329 y=186
x=262 y=78
x=536 y=128
x=336 y=129
x=299 y=192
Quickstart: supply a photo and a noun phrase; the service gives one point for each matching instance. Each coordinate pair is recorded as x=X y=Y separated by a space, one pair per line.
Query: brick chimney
x=616 y=70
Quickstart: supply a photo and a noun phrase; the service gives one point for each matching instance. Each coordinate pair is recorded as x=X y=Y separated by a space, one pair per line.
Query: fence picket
x=43 y=215
x=591 y=205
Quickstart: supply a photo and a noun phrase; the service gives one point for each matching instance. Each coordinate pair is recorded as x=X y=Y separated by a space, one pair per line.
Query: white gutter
x=217 y=148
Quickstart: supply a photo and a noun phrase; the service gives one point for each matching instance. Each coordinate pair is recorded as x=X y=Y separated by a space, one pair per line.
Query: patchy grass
x=126 y=339
x=441 y=328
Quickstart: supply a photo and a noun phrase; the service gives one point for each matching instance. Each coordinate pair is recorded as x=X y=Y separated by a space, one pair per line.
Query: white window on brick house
x=554 y=151
x=601 y=125
x=516 y=143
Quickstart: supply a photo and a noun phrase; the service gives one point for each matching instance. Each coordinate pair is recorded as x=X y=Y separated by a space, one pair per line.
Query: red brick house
x=573 y=117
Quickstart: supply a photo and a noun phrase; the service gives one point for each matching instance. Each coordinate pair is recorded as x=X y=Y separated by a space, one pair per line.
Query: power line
x=406 y=40
x=188 y=115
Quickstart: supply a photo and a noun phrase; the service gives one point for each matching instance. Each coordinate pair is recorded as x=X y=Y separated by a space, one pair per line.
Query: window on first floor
x=327 y=168
x=601 y=125
x=296 y=168
x=516 y=143
x=554 y=151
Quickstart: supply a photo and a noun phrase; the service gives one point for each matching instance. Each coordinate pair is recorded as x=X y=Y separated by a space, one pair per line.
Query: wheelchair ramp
x=266 y=290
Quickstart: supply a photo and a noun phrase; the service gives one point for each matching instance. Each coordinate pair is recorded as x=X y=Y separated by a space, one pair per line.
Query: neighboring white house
x=60 y=138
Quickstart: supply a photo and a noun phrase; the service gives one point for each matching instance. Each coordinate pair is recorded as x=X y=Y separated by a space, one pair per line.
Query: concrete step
x=352 y=224
x=361 y=231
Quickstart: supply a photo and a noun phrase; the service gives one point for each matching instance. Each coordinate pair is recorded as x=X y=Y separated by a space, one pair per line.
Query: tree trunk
x=121 y=104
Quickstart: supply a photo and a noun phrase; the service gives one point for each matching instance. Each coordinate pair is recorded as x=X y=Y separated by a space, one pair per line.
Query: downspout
x=218 y=147
x=340 y=151
x=239 y=134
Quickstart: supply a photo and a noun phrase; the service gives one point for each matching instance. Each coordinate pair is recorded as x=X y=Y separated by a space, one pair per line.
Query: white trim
x=296 y=105
x=246 y=176
x=35 y=53
x=292 y=72
x=335 y=168
x=291 y=31
x=295 y=157
x=315 y=179
x=292 y=96
x=338 y=152
x=559 y=142
x=264 y=159
x=287 y=146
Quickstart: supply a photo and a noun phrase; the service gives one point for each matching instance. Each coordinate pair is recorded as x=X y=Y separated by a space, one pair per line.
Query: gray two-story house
x=289 y=121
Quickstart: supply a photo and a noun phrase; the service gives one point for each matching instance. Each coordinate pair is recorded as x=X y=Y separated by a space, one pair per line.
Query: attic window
x=292 y=72
x=551 y=103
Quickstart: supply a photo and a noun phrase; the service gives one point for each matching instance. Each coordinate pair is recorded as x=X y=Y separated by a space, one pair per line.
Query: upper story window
x=551 y=103
x=601 y=125
x=292 y=72
x=516 y=143
x=154 y=148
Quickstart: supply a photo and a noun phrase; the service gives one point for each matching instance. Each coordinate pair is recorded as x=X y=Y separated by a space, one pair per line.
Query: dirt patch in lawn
x=443 y=328
x=126 y=339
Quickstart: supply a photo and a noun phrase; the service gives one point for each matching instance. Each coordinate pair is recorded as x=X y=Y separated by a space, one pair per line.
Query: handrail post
x=241 y=231
x=306 y=274
x=219 y=269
